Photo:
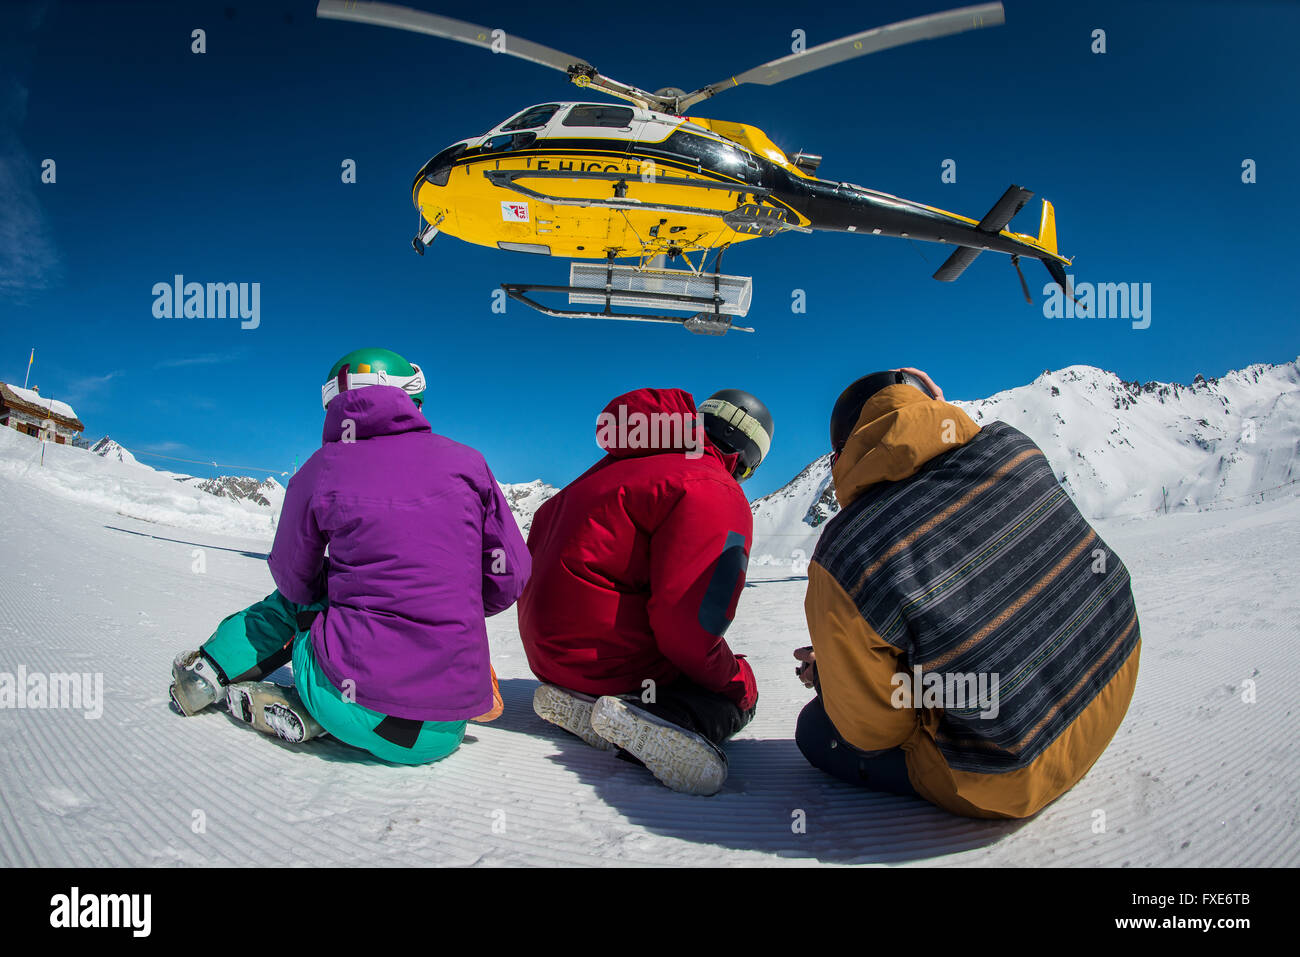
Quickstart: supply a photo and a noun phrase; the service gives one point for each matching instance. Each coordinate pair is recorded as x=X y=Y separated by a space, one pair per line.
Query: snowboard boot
x=195 y=683
x=571 y=711
x=681 y=759
x=272 y=709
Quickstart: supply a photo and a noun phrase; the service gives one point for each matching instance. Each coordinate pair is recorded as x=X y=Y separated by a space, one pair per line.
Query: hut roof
x=33 y=403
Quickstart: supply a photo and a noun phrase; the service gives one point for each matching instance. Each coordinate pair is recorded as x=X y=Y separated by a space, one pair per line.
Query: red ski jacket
x=639 y=562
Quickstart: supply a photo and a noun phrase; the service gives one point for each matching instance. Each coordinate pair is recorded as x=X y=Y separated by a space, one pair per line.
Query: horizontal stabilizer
x=956 y=264
x=1012 y=202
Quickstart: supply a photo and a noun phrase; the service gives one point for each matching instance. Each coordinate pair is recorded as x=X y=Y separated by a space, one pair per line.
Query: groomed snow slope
x=1194 y=777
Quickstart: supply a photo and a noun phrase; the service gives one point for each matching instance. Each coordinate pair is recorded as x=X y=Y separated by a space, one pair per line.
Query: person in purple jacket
x=387 y=634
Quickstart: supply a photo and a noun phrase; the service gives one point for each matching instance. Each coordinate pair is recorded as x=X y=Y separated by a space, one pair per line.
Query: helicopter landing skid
x=707 y=323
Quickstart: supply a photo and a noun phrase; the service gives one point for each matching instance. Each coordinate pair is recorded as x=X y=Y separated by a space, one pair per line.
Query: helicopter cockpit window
x=438 y=170
x=532 y=118
x=605 y=117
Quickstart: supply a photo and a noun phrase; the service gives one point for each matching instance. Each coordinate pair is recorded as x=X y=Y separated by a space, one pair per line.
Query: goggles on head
x=747 y=425
x=347 y=380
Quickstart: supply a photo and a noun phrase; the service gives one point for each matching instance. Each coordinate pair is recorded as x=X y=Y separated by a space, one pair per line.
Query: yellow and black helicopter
x=607 y=181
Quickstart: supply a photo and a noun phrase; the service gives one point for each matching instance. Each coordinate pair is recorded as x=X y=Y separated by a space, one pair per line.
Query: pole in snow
x=30 y=359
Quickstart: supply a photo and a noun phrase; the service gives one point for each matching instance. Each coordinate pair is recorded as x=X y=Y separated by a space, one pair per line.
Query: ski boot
x=571 y=711
x=272 y=709
x=195 y=683
x=683 y=760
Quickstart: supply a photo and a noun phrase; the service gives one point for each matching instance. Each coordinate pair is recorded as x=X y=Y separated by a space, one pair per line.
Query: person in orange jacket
x=637 y=568
x=974 y=641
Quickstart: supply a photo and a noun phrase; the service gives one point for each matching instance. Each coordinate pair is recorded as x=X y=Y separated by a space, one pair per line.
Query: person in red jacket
x=637 y=568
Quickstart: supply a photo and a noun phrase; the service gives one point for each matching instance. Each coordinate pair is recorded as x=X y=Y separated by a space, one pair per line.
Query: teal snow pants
x=252 y=643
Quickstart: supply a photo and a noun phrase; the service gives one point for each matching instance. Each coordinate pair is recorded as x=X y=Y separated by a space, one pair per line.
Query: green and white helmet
x=364 y=367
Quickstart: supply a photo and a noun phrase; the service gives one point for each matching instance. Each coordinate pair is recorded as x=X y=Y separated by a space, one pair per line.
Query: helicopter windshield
x=531 y=118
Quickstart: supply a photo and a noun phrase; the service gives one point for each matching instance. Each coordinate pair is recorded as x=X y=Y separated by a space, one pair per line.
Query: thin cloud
x=207 y=359
x=29 y=259
x=163 y=448
x=85 y=387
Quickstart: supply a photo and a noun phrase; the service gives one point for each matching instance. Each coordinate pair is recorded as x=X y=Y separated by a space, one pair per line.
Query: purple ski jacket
x=422 y=546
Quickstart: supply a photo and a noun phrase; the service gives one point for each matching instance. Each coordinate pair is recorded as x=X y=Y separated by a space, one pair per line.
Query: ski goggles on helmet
x=364 y=376
x=737 y=432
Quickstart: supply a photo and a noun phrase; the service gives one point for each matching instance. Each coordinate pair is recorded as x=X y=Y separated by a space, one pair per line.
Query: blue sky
x=225 y=167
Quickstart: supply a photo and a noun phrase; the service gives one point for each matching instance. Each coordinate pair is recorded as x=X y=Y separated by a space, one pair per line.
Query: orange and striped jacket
x=958 y=565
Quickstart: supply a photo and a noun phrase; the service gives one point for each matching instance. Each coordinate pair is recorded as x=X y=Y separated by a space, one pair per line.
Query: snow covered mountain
x=108 y=474
x=110 y=479
x=1119 y=448
x=109 y=449
x=267 y=493
x=525 y=498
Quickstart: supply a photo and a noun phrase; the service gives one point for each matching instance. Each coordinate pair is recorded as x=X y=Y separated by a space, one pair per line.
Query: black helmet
x=849 y=405
x=739 y=424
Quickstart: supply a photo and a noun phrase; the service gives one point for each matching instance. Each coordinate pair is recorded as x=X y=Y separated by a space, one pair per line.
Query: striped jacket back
x=979 y=567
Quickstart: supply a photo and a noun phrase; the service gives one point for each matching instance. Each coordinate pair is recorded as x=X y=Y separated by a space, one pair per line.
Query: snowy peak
x=1119 y=448
x=1128 y=448
x=267 y=493
x=525 y=498
x=788 y=522
x=111 y=450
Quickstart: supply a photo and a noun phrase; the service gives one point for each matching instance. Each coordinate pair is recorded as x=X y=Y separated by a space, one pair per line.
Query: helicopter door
x=597 y=133
x=597 y=121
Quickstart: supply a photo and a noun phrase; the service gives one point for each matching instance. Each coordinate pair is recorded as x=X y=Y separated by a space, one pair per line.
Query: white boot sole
x=273 y=710
x=570 y=712
x=682 y=760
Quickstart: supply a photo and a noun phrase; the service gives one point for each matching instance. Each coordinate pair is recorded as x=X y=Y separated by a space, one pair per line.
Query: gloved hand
x=807 y=672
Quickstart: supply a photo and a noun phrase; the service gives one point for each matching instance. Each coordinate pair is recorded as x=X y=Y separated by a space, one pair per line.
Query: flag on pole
x=30 y=359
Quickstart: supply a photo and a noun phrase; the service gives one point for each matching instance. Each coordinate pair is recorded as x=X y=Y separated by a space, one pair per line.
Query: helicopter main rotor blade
x=418 y=21
x=858 y=44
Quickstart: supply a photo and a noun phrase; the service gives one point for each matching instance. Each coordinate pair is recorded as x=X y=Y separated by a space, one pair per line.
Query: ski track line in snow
x=1195 y=776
